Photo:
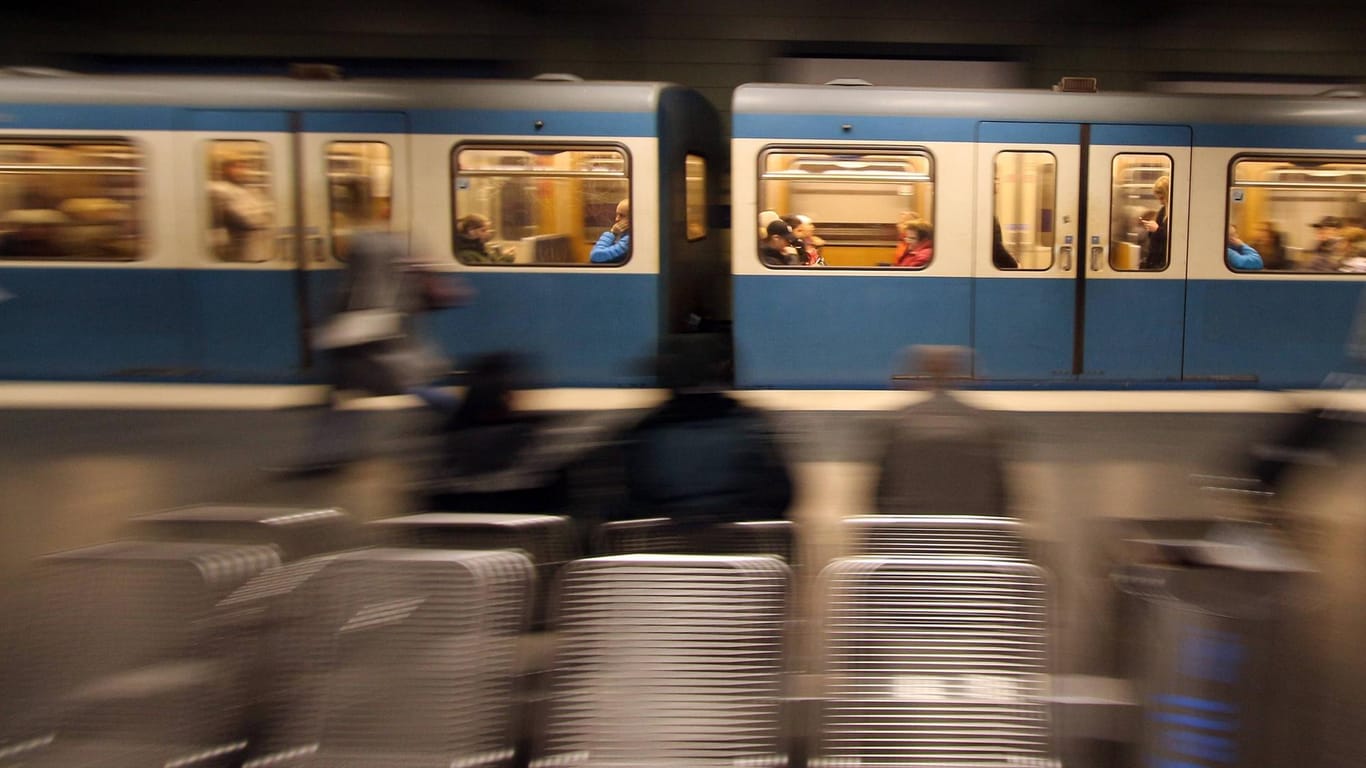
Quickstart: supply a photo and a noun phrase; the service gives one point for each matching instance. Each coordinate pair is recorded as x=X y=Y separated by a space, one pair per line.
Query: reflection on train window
x=76 y=200
x=536 y=206
x=695 y=170
x=849 y=207
x=359 y=189
x=1140 y=190
x=241 y=209
x=1298 y=214
x=1023 y=202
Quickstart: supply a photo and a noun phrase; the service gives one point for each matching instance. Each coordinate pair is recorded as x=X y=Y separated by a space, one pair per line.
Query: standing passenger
x=615 y=243
x=1154 y=253
x=243 y=215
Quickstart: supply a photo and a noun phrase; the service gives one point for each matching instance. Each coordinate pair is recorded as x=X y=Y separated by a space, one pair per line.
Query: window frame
x=1052 y=249
x=534 y=147
x=916 y=150
x=332 y=237
x=1110 y=209
x=687 y=207
x=1231 y=181
x=137 y=213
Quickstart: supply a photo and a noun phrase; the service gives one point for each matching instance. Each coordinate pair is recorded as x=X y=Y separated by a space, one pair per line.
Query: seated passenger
x=1239 y=254
x=702 y=457
x=766 y=218
x=1270 y=243
x=615 y=243
x=809 y=245
x=917 y=242
x=779 y=248
x=472 y=235
x=1329 y=247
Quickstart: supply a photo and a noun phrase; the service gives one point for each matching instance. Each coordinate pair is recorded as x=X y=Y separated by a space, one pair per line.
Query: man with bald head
x=615 y=243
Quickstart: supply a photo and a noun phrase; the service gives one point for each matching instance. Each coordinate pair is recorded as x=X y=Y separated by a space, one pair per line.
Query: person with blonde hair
x=1154 y=253
x=916 y=248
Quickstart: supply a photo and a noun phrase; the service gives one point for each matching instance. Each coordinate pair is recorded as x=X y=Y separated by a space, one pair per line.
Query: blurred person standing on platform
x=943 y=456
x=371 y=344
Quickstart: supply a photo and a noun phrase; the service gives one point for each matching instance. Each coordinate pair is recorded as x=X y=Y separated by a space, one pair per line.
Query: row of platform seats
x=254 y=647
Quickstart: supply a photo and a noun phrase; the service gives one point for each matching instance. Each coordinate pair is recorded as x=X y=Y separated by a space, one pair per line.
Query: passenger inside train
x=472 y=234
x=615 y=243
x=1241 y=255
x=810 y=245
x=916 y=248
x=779 y=248
x=241 y=209
x=1270 y=243
x=1154 y=253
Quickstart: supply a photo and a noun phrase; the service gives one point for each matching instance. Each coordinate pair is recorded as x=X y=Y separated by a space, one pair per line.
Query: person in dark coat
x=702 y=457
x=943 y=456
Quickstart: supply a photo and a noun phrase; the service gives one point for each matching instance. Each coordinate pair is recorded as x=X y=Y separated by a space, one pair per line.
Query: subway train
x=192 y=228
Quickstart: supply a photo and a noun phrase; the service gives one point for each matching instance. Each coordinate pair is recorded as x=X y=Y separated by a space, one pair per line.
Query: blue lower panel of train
x=1133 y=330
x=148 y=323
x=1276 y=333
x=1022 y=328
x=595 y=329
x=815 y=332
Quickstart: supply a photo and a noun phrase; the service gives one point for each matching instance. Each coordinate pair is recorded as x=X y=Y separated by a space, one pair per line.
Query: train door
x=1135 y=279
x=243 y=282
x=353 y=177
x=1024 y=300
x=1070 y=281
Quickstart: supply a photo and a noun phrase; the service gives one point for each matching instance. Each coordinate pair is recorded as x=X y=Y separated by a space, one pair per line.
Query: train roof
x=1044 y=106
x=299 y=94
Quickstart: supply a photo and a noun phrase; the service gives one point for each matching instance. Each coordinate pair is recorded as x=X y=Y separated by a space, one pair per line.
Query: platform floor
x=72 y=477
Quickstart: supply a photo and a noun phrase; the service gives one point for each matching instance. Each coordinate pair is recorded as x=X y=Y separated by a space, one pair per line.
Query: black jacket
x=705 y=458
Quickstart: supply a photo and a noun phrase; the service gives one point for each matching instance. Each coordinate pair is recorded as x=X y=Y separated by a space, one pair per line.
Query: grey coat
x=379 y=276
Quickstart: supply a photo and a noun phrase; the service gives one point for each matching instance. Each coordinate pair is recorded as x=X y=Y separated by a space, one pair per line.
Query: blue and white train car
x=1073 y=239
x=191 y=228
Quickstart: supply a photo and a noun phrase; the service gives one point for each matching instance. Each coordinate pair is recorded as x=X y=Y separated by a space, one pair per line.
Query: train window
x=1297 y=214
x=1140 y=187
x=1023 y=201
x=73 y=200
x=241 y=221
x=695 y=171
x=359 y=189
x=849 y=207
x=542 y=205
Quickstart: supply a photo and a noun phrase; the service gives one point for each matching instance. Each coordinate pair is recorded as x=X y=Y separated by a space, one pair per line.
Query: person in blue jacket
x=615 y=243
x=1240 y=255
